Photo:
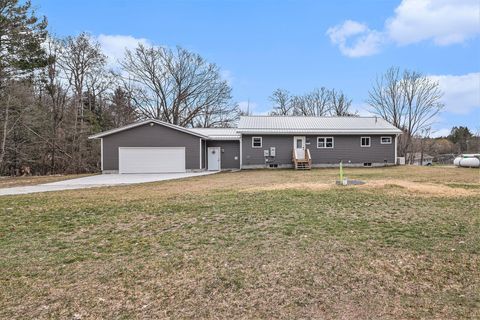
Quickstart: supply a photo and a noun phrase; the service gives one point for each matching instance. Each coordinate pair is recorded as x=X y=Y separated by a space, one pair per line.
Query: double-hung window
x=325 y=142
x=256 y=142
x=365 y=142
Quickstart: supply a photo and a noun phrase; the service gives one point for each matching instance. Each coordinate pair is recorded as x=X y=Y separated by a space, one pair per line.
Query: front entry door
x=299 y=146
x=214 y=158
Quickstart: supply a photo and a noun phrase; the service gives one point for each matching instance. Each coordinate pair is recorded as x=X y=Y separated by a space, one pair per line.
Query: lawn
x=252 y=244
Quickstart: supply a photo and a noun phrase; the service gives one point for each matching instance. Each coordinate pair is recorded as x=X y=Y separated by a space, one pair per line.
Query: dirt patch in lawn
x=391 y=186
x=421 y=189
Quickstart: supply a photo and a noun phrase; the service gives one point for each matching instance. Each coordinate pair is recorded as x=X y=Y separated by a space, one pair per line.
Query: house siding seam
x=346 y=148
x=150 y=136
x=230 y=150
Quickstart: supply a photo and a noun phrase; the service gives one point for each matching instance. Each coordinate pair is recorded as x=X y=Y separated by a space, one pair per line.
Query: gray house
x=153 y=146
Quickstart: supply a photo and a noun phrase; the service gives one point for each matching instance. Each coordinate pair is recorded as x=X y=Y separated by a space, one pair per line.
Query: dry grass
x=252 y=244
x=8 y=182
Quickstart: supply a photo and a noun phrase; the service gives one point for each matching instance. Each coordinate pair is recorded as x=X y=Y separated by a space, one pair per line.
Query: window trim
x=325 y=143
x=369 y=142
x=382 y=137
x=253 y=142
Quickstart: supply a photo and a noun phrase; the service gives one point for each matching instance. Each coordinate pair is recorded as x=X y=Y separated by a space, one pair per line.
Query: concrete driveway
x=102 y=180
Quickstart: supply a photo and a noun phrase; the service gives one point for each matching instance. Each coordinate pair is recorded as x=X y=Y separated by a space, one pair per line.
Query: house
x=153 y=146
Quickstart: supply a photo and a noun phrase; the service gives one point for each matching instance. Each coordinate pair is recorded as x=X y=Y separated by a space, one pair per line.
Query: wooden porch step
x=302 y=164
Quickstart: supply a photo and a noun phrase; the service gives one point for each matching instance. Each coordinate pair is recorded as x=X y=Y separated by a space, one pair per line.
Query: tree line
x=319 y=102
x=444 y=149
x=55 y=92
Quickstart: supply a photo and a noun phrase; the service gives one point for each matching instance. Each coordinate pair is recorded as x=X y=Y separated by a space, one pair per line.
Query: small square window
x=365 y=142
x=256 y=142
x=386 y=140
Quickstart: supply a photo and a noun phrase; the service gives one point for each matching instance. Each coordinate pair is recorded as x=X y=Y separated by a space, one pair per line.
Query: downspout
x=201 y=154
x=396 y=138
x=241 y=151
x=101 y=154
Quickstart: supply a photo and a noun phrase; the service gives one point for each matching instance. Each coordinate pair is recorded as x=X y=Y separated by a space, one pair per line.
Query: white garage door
x=151 y=160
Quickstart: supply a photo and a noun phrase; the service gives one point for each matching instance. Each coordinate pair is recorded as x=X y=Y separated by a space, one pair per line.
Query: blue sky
x=299 y=45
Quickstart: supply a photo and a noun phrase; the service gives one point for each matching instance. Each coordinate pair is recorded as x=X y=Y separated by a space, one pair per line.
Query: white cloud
x=363 y=41
x=461 y=93
x=114 y=46
x=444 y=22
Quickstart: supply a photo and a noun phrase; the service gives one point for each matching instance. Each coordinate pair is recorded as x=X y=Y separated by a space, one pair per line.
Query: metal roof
x=137 y=124
x=278 y=125
x=218 y=133
x=296 y=124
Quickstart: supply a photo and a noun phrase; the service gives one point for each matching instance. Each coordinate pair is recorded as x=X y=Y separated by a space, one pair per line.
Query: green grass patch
x=464 y=185
x=141 y=252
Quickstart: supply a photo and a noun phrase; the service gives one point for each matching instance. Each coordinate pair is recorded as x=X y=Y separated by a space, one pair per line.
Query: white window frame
x=253 y=142
x=387 y=137
x=325 y=142
x=369 y=142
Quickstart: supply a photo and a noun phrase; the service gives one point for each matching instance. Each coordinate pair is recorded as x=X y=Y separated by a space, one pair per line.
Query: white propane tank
x=457 y=161
x=470 y=162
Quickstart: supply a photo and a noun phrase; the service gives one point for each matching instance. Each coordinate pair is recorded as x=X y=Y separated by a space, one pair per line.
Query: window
x=365 y=142
x=256 y=142
x=386 y=140
x=299 y=143
x=325 y=142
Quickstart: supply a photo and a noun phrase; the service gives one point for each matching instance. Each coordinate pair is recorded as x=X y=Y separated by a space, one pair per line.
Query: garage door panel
x=151 y=160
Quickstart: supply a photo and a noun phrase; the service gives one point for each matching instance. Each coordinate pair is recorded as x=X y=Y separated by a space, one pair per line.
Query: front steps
x=302 y=164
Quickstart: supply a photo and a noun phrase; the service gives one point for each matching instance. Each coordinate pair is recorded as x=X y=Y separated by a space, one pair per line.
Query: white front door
x=299 y=146
x=151 y=160
x=214 y=158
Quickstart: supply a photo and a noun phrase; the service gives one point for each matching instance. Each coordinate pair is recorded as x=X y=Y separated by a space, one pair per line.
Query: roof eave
x=137 y=124
x=224 y=138
x=337 y=132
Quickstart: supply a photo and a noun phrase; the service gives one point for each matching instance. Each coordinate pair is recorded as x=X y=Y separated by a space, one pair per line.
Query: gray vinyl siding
x=151 y=136
x=346 y=148
x=230 y=150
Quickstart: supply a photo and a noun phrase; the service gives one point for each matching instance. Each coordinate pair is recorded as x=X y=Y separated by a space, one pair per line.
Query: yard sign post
x=341 y=172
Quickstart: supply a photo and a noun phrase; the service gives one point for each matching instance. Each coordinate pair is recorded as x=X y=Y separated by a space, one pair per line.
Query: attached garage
x=151 y=146
x=151 y=159
x=154 y=146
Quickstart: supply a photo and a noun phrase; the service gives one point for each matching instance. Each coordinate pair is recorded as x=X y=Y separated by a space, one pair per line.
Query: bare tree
x=298 y=106
x=422 y=103
x=318 y=102
x=80 y=59
x=386 y=97
x=56 y=97
x=177 y=86
x=408 y=100
x=340 y=104
x=282 y=105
